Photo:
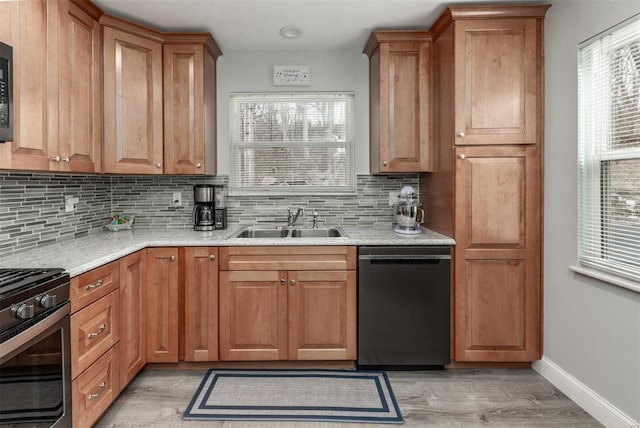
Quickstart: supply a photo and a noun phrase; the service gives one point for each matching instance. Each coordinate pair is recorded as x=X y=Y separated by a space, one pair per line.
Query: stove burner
x=16 y=279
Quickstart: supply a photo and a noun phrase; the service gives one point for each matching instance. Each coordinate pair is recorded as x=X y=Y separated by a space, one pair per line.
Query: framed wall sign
x=291 y=75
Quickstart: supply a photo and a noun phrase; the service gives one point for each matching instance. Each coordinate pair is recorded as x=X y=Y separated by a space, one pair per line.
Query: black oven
x=6 y=93
x=35 y=364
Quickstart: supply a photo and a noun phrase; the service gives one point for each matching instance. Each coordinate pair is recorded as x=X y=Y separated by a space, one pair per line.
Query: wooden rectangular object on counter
x=288 y=258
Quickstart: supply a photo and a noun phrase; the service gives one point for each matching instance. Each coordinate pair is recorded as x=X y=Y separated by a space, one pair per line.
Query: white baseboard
x=602 y=410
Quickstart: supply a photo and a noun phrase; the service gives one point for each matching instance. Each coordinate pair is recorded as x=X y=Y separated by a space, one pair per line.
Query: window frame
x=350 y=187
x=595 y=149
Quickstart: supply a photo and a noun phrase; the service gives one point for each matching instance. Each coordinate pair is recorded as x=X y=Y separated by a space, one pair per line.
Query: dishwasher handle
x=392 y=257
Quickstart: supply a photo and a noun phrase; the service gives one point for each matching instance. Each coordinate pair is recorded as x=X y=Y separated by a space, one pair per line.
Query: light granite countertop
x=83 y=254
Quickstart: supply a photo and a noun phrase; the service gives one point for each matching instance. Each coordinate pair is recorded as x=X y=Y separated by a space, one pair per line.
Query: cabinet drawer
x=288 y=258
x=95 y=389
x=94 y=330
x=90 y=286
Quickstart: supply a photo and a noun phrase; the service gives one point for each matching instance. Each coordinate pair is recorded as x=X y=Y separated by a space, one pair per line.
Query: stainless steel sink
x=255 y=232
x=327 y=232
x=281 y=232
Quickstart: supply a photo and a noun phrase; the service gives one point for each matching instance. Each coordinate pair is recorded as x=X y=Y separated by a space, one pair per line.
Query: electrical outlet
x=70 y=203
x=177 y=200
x=393 y=197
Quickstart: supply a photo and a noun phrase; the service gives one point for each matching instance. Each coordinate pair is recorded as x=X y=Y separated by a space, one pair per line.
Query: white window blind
x=292 y=143
x=609 y=151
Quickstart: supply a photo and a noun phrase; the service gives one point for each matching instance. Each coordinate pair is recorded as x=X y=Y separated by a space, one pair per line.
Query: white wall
x=251 y=71
x=591 y=328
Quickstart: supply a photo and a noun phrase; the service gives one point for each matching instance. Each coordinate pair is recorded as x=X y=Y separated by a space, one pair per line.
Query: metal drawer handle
x=100 y=331
x=94 y=286
x=101 y=389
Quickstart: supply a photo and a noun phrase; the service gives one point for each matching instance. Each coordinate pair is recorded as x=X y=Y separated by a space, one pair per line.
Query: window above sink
x=298 y=143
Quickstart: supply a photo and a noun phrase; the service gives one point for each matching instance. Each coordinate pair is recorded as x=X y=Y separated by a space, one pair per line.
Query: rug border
x=399 y=419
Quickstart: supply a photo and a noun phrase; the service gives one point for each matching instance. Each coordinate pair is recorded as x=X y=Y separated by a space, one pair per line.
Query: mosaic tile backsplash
x=32 y=207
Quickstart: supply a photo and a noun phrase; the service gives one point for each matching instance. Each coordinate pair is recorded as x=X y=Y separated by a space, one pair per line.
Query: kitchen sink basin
x=281 y=232
x=254 y=232
x=328 y=232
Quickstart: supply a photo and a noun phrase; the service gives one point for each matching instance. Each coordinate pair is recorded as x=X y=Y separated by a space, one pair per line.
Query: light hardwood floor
x=449 y=398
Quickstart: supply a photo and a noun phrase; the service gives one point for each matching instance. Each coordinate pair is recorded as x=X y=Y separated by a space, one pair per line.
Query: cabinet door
x=201 y=304
x=133 y=346
x=253 y=315
x=24 y=26
x=80 y=102
x=132 y=103
x=403 y=137
x=497 y=69
x=162 y=305
x=322 y=315
x=184 y=109
x=497 y=254
x=94 y=330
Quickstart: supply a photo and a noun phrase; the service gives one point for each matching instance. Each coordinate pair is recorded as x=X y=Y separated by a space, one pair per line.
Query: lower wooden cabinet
x=94 y=330
x=275 y=313
x=95 y=389
x=133 y=334
x=322 y=315
x=162 y=305
x=200 y=304
x=497 y=256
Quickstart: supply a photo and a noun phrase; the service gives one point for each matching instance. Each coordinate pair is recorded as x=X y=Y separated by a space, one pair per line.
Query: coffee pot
x=409 y=214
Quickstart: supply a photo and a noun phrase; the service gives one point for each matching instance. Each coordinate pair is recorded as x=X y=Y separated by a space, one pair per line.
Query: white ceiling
x=255 y=24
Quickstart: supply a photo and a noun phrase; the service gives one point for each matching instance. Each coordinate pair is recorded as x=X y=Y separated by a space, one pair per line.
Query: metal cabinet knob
x=172 y=258
x=66 y=160
x=461 y=134
x=292 y=282
x=385 y=163
x=158 y=165
x=282 y=281
x=56 y=158
x=212 y=257
x=198 y=165
x=461 y=156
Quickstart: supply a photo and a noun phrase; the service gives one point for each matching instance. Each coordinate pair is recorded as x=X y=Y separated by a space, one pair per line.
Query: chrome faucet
x=292 y=218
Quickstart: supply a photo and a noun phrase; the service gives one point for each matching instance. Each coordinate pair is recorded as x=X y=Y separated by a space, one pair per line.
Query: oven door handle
x=34 y=331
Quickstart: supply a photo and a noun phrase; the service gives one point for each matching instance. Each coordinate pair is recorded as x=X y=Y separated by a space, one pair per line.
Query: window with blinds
x=292 y=143
x=609 y=151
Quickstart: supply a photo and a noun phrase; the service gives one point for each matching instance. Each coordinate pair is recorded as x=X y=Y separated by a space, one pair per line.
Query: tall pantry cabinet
x=486 y=185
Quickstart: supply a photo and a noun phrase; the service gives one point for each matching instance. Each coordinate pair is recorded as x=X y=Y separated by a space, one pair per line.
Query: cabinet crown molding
x=488 y=11
x=116 y=22
x=204 y=39
x=389 y=36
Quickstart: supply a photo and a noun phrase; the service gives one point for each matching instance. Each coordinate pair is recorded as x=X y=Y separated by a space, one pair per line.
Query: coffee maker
x=209 y=211
x=408 y=212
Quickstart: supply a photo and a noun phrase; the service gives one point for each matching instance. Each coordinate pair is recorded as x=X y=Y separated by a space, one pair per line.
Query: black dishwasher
x=404 y=306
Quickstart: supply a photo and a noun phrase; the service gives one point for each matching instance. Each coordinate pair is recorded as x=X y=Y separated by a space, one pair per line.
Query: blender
x=408 y=212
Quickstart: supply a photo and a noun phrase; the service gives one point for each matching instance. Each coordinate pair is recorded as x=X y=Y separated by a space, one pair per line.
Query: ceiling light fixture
x=291 y=32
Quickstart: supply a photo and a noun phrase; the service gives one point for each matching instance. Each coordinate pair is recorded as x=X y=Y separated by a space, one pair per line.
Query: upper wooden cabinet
x=79 y=91
x=159 y=100
x=57 y=78
x=132 y=98
x=189 y=64
x=400 y=100
x=497 y=73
